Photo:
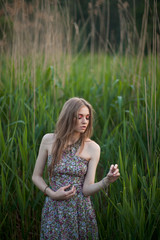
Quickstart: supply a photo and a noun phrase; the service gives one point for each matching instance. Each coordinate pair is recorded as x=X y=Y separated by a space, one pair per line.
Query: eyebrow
x=83 y=114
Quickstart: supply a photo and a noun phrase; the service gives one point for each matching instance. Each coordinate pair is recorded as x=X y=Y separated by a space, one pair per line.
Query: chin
x=82 y=131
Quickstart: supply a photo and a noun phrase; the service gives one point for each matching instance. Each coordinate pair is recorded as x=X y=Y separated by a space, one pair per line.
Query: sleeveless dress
x=72 y=219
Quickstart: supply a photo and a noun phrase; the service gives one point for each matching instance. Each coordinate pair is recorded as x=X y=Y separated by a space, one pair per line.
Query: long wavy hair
x=65 y=128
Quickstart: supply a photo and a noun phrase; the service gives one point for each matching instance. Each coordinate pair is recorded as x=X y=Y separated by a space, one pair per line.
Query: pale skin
x=90 y=152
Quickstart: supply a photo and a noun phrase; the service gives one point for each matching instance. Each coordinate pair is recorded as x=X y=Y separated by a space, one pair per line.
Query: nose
x=84 y=120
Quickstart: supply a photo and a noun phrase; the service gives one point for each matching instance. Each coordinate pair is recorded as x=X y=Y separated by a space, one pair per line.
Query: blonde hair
x=65 y=127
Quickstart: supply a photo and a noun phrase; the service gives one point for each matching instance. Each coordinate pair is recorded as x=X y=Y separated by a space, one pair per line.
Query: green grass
x=126 y=126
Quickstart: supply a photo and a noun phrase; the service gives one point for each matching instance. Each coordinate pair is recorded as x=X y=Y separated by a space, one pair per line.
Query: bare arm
x=90 y=187
x=37 y=177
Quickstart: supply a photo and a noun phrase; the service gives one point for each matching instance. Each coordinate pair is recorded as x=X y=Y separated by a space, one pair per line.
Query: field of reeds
x=38 y=73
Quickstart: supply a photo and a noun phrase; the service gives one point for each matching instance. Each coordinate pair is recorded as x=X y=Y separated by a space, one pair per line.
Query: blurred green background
x=107 y=52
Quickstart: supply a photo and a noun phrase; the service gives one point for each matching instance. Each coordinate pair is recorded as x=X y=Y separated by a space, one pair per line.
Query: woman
x=72 y=159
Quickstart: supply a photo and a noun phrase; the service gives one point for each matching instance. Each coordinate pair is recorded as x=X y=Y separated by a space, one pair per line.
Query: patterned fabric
x=73 y=218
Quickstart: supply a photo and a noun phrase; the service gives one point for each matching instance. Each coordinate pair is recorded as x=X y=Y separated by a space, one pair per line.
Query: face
x=83 y=117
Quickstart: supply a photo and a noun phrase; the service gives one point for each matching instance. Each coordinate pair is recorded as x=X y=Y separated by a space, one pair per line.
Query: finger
x=73 y=191
x=65 y=187
x=116 y=171
x=116 y=166
x=73 y=188
x=70 y=195
x=111 y=168
x=70 y=191
x=117 y=176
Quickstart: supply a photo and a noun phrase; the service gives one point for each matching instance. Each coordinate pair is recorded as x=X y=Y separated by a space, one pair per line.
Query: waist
x=57 y=182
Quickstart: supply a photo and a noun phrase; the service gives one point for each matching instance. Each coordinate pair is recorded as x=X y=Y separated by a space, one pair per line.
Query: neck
x=74 y=138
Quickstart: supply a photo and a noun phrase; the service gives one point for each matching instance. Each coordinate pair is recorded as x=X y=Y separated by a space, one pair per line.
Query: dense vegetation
x=38 y=73
x=126 y=127
x=103 y=24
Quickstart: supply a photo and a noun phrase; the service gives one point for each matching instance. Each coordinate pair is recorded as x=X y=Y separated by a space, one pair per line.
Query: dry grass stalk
x=39 y=29
x=142 y=43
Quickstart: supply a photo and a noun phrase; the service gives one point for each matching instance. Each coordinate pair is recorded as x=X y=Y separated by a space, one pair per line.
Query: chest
x=70 y=165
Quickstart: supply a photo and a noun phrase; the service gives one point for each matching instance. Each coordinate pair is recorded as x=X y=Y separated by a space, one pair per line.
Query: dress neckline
x=73 y=146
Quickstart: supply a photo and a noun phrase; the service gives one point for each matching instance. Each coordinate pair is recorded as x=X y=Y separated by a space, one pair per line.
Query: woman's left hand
x=113 y=173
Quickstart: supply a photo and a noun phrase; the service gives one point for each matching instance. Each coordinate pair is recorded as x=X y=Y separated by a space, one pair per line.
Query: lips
x=83 y=127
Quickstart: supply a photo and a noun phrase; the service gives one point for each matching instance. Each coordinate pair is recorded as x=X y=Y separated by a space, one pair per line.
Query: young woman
x=72 y=159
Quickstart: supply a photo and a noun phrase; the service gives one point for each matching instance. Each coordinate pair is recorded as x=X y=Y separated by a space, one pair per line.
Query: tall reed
x=38 y=74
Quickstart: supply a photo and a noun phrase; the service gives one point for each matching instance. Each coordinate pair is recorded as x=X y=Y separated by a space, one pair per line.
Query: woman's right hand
x=62 y=194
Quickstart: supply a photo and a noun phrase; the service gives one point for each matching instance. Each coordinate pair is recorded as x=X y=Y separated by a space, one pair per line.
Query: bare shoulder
x=93 y=151
x=92 y=145
x=48 y=138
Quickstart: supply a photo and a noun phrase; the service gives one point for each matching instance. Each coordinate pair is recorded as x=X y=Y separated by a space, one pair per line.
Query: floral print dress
x=72 y=219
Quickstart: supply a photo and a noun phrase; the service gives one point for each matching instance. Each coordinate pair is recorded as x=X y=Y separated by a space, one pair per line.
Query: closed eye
x=80 y=116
